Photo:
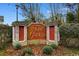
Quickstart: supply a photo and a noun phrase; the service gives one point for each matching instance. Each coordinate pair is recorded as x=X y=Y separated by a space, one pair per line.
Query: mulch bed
x=37 y=51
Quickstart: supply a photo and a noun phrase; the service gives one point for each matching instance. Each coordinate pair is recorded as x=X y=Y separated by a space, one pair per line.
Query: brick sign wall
x=36 y=32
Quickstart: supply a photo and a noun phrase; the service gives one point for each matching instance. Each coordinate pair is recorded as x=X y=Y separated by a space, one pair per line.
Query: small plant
x=27 y=51
x=17 y=46
x=47 y=50
x=53 y=46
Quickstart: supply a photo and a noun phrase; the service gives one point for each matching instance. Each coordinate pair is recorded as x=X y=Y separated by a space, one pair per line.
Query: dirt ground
x=37 y=50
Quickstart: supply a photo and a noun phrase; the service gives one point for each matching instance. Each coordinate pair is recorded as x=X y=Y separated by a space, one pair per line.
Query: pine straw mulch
x=37 y=51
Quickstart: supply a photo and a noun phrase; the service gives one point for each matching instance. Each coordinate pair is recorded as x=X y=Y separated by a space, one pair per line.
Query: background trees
x=33 y=12
x=70 y=17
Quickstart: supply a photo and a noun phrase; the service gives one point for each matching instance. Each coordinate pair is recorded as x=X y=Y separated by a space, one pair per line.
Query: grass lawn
x=2 y=53
x=63 y=51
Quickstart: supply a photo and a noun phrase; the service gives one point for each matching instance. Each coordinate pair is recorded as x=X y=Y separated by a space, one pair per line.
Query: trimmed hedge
x=17 y=46
x=27 y=51
x=69 y=34
x=47 y=50
x=53 y=46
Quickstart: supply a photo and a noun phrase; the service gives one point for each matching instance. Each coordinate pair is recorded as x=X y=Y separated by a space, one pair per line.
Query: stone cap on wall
x=35 y=23
x=52 y=24
x=19 y=23
x=23 y=23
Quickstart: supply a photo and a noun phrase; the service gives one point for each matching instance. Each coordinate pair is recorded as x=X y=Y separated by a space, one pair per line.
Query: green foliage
x=9 y=34
x=27 y=51
x=69 y=34
x=17 y=46
x=69 y=30
x=70 y=17
x=28 y=21
x=53 y=46
x=3 y=46
x=77 y=13
x=47 y=50
x=5 y=36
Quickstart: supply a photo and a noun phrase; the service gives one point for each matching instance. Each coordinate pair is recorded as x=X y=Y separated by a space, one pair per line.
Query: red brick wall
x=36 y=31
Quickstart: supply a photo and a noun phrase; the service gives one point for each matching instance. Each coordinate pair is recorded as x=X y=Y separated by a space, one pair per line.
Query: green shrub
x=6 y=33
x=17 y=46
x=70 y=17
x=72 y=43
x=47 y=50
x=69 y=30
x=69 y=34
x=3 y=46
x=5 y=37
x=53 y=46
x=27 y=51
x=9 y=36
